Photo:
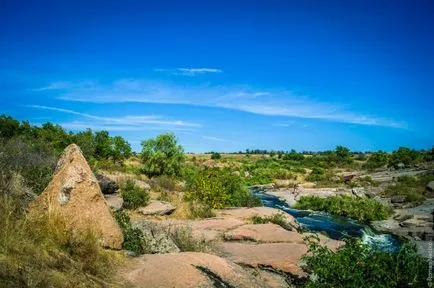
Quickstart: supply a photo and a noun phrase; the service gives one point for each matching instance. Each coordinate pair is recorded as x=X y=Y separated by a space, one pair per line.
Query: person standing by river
x=296 y=190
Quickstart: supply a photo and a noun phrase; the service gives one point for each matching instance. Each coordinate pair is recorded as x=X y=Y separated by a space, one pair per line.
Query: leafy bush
x=405 y=156
x=412 y=188
x=32 y=160
x=357 y=265
x=163 y=183
x=361 y=209
x=376 y=160
x=133 y=237
x=162 y=156
x=42 y=253
x=219 y=188
x=133 y=195
x=198 y=210
x=278 y=219
x=215 y=156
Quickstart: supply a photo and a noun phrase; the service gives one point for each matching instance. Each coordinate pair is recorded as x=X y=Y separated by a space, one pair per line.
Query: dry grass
x=42 y=253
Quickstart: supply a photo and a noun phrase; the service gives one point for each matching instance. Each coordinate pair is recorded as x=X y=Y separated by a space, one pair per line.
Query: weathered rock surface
x=75 y=195
x=268 y=233
x=187 y=269
x=156 y=237
x=244 y=214
x=156 y=207
x=283 y=257
x=107 y=185
x=114 y=201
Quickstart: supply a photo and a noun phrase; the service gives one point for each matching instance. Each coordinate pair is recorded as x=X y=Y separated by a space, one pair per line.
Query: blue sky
x=225 y=75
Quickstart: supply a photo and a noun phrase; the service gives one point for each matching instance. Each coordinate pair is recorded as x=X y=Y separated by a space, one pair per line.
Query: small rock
x=359 y=192
x=114 y=201
x=397 y=199
x=107 y=185
x=156 y=207
x=430 y=186
x=246 y=174
x=236 y=173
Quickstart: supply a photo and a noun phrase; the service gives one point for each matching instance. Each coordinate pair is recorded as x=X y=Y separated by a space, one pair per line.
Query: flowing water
x=335 y=227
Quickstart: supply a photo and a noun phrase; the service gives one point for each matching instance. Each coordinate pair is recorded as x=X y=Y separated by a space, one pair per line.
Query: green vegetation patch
x=219 y=188
x=357 y=265
x=133 y=237
x=362 y=209
x=411 y=188
x=133 y=195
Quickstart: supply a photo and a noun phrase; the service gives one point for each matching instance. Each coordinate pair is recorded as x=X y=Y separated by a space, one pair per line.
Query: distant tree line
x=98 y=145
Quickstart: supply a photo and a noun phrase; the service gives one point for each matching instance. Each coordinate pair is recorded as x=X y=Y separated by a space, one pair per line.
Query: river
x=335 y=227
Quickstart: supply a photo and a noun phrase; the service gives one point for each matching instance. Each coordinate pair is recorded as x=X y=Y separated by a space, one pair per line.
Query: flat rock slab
x=279 y=256
x=114 y=201
x=245 y=214
x=269 y=233
x=217 y=223
x=156 y=207
x=187 y=269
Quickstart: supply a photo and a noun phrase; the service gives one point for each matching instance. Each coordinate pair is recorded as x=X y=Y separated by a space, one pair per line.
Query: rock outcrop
x=107 y=185
x=156 y=207
x=74 y=195
x=187 y=269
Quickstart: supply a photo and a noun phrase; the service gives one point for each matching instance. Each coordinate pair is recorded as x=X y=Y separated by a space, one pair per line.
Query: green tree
x=377 y=160
x=162 y=155
x=103 y=145
x=86 y=141
x=8 y=126
x=403 y=155
x=215 y=155
x=342 y=153
x=121 y=149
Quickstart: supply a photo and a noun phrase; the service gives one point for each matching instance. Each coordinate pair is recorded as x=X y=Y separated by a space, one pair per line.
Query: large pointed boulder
x=74 y=194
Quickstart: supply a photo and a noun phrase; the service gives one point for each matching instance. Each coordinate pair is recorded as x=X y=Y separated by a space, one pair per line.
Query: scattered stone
x=236 y=173
x=74 y=194
x=397 y=199
x=114 y=201
x=187 y=269
x=246 y=174
x=268 y=233
x=156 y=207
x=359 y=192
x=107 y=185
x=430 y=186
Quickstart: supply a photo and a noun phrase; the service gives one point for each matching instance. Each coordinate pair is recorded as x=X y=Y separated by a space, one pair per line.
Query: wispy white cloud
x=125 y=123
x=212 y=138
x=242 y=98
x=190 y=71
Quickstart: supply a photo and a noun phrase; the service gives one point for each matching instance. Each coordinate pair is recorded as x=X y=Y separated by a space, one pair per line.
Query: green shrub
x=133 y=237
x=162 y=156
x=412 y=188
x=215 y=156
x=278 y=219
x=163 y=183
x=199 y=210
x=376 y=160
x=133 y=195
x=361 y=209
x=183 y=238
x=357 y=265
x=219 y=188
